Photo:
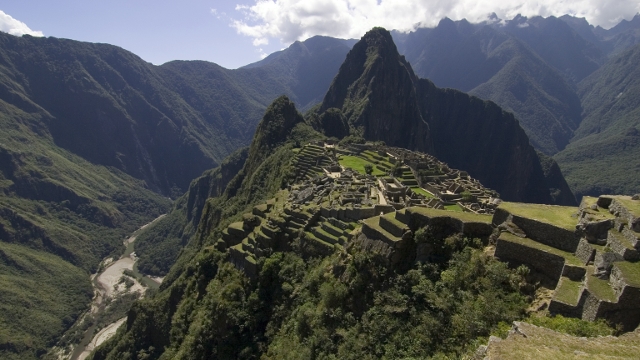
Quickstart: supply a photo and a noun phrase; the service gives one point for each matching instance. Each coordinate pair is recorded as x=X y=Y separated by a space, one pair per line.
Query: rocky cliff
x=382 y=99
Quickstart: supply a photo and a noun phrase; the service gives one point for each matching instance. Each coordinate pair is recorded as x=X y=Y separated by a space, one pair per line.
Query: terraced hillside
x=589 y=254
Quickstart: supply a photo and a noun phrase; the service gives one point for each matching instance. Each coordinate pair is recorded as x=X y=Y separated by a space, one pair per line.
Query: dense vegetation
x=348 y=305
x=92 y=141
x=604 y=155
x=60 y=215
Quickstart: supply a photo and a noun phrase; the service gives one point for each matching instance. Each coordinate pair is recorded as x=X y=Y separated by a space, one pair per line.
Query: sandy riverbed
x=111 y=275
x=107 y=286
x=101 y=337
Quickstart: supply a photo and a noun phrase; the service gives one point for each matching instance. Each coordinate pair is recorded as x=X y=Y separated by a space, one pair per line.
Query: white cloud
x=15 y=27
x=290 y=20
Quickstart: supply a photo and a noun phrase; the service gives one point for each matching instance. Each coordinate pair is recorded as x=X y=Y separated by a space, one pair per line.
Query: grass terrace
x=454 y=207
x=463 y=216
x=561 y=216
x=599 y=213
x=543 y=343
x=630 y=272
x=632 y=205
x=422 y=192
x=375 y=158
x=568 y=291
x=358 y=164
x=569 y=257
x=600 y=288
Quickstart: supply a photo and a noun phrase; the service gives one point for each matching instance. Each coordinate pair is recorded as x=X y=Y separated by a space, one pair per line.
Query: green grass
x=630 y=272
x=600 y=288
x=561 y=216
x=632 y=205
x=41 y=297
x=572 y=326
x=568 y=291
x=597 y=214
x=454 y=207
x=422 y=192
x=358 y=164
x=463 y=216
x=569 y=257
x=374 y=224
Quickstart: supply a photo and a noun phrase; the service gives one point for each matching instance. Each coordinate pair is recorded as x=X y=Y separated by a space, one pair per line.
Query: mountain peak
x=375 y=90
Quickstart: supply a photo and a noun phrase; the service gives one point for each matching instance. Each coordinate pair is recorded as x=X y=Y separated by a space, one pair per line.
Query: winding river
x=103 y=284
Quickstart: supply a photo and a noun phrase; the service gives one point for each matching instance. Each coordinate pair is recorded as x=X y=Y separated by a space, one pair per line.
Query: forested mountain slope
x=604 y=155
x=207 y=308
x=493 y=63
x=92 y=141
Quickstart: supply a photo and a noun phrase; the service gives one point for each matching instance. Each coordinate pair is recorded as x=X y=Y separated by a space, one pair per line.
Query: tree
x=368 y=168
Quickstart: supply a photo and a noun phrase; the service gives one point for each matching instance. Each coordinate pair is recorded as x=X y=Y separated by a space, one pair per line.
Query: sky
x=233 y=33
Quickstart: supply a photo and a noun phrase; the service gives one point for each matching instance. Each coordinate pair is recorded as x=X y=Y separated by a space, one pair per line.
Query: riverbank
x=116 y=286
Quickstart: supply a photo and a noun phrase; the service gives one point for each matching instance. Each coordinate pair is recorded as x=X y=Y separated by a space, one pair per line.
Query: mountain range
x=348 y=303
x=95 y=141
x=539 y=69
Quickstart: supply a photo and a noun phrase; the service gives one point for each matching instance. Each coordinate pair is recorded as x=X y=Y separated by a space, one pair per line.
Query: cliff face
x=481 y=138
x=382 y=99
x=375 y=89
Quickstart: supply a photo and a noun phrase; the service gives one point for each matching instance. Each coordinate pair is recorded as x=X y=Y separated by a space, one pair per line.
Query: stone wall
x=584 y=251
x=477 y=230
x=352 y=214
x=560 y=308
x=547 y=234
x=515 y=254
x=619 y=210
x=575 y=273
x=500 y=216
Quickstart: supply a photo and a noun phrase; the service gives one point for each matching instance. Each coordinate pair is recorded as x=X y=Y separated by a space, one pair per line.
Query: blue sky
x=156 y=30
x=234 y=33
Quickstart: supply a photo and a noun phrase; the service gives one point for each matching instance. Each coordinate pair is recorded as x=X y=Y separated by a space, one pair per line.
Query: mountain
x=491 y=63
x=541 y=69
x=611 y=41
x=93 y=140
x=557 y=44
x=603 y=155
x=375 y=90
x=306 y=68
x=381 y=99
x=207 y=307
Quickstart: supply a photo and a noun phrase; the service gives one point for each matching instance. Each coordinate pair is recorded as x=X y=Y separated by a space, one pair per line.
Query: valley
x=115 y=286
x=396 y=179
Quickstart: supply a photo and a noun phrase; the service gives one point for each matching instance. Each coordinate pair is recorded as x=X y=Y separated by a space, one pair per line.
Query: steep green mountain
x=488 y=62
x=350 y=304
x=92 y=139
x=381 y=99
x=375 y=90
x=60 y=215
x=557 y=44
x=546 y=106
x=603 y=157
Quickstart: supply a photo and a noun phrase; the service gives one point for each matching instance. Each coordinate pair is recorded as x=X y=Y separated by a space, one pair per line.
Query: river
x=104 y=284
